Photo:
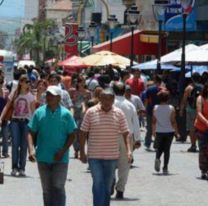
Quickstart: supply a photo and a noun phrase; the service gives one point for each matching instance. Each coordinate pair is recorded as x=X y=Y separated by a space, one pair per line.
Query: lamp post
x=187 y=7
x=112 y=22
x=81 y=36
x=92 y=32
x=159 y=8
x=134 y=18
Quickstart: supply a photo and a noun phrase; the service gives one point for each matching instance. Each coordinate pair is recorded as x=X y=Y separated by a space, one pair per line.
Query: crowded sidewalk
x=182 y=187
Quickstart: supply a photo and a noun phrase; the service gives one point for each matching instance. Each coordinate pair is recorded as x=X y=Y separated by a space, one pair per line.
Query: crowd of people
x=46 y=111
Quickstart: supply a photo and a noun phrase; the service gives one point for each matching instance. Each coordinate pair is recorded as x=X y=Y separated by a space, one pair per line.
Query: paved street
x=145 y=188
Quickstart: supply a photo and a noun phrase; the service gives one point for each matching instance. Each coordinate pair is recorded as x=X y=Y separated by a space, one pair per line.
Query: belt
x=20 y=120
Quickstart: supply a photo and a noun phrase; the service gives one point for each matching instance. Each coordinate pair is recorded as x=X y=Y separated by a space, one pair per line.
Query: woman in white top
x=23 y=106
x=164 y=126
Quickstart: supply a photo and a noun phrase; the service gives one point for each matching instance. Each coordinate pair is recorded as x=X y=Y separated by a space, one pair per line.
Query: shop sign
x=173 y=16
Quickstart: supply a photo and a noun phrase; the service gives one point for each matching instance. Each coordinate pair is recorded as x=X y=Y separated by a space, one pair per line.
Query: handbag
x=8 y=114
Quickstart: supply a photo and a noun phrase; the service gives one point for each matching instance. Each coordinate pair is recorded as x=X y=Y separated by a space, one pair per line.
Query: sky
x=12 y=8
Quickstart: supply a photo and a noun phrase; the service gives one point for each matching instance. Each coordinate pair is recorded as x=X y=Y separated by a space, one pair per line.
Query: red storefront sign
x=71 y=39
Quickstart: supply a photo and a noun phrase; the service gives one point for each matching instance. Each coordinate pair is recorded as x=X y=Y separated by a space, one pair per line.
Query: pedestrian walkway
x=145 y=187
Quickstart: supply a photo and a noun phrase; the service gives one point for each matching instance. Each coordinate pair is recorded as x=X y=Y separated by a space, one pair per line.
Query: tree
x=3 y=39
x=34 y=39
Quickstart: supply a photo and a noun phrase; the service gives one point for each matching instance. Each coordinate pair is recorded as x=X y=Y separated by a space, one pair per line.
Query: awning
x=145 y=43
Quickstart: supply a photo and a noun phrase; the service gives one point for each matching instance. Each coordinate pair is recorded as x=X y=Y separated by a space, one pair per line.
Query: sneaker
x=157 y=165
x=192 y=149
x=5 y=155
x=165 y=171
x=204 y=176
x=76 y=154
x=14 y=172
x=119 y=195
x=22 y=173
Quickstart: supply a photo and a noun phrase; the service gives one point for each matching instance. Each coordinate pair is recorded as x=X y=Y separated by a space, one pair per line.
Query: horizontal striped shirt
x=104 y=130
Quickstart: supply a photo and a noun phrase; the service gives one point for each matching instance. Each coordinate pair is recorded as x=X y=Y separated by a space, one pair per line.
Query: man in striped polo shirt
x=103 y=124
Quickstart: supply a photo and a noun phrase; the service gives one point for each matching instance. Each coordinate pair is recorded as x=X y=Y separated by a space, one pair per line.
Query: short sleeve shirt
x=22 y=106
x=152 y=99
x=137 y=85
x=137 y=102
x=52 y=130
x=104 y=130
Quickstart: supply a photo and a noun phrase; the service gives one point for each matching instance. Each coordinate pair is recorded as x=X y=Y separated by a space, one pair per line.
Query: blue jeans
x=103 y=172
x=5 y=136
x=53 y=178
x=19 y=131
x=148 y=137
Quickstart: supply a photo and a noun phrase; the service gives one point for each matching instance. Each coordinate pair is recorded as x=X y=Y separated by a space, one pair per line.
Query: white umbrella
x=204 y=46
x=152 y=65
x=175 y=56
x=197 y=57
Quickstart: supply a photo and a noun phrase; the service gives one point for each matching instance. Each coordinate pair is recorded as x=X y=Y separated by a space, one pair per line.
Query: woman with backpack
x=201 y=125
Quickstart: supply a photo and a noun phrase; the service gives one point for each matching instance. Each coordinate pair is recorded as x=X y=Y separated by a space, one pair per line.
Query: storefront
x=145 y=44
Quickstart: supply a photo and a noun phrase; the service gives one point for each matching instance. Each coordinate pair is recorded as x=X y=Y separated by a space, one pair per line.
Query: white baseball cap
x=54 y=90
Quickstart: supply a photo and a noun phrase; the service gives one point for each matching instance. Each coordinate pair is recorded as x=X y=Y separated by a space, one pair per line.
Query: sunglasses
x=26 y=81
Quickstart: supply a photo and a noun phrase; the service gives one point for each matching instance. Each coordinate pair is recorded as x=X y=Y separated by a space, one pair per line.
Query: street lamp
x=112 y=22
x=134 y=18
x=92 y=32
x=187 y=7
x=159 y=8
x=81 y=36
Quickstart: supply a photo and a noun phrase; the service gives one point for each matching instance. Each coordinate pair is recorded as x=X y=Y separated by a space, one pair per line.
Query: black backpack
x=194 y=94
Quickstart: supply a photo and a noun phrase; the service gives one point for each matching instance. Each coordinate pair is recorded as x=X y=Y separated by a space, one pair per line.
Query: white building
x=58 y=10
x=30 y=12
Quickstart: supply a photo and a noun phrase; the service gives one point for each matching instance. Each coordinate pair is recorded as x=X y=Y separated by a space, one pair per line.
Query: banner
x=174 y=19
x=71 y=39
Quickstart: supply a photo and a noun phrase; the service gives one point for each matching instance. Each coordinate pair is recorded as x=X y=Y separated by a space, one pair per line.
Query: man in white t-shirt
x=133 y=124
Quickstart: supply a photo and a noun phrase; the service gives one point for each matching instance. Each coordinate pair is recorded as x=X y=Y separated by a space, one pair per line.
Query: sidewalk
x=145 y=187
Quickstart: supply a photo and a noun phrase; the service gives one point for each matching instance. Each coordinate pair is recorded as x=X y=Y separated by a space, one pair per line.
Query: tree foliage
x=34 y=39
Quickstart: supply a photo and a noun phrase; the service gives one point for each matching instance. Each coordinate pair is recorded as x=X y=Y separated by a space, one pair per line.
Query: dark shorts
x=190 y=118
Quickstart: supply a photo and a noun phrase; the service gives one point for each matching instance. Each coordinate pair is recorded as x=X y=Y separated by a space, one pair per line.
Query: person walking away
x=23 y=103
x=52 y=128
x=133 y=124
x=163 y=126
x=201 y=125
x=103 y=124
x=151 y=99
x=188 y=103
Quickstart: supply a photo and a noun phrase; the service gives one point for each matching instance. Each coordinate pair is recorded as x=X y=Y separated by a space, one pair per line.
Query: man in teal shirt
x=52 y=128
